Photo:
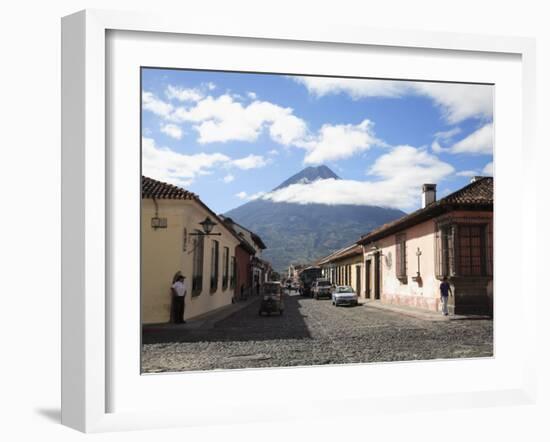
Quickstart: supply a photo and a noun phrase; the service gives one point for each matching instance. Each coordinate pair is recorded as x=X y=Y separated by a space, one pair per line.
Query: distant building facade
x=344 y=267
x=251 y=269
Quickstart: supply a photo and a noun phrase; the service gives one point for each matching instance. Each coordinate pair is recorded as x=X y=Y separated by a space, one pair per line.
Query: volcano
x=302 y=233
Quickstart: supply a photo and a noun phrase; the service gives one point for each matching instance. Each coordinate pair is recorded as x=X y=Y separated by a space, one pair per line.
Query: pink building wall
x=424 y=292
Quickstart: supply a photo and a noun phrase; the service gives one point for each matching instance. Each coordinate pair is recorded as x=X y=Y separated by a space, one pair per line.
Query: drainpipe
x=156 y=207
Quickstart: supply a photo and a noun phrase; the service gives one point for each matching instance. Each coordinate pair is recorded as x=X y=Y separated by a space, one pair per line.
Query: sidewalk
x=205 y=321
x=426 y=315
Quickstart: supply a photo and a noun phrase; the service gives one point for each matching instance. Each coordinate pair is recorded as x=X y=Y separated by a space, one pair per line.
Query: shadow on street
x=243 y=325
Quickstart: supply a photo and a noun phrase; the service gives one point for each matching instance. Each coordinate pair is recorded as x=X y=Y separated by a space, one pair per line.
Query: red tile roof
x=477 y=192
x=151 y=188
x=346 y=252
x=478 y=195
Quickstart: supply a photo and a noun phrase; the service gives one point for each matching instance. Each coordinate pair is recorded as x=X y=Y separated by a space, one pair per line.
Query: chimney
x=428 y=194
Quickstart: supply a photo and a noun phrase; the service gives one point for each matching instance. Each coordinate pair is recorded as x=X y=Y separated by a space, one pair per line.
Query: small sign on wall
x=159 y=223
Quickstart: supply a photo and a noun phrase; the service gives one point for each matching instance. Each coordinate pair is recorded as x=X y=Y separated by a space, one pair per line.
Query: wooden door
x=368 y=284
x=377 y=278
x=358 y=280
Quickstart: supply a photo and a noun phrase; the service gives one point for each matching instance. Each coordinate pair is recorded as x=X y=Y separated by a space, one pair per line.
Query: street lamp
x=207 y=226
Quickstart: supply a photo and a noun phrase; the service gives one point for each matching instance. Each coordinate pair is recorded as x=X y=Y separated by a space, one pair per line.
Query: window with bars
x=214 y=266
x=489 y=252
x=464 y=250
x=445 y=251
x=470 y=250
x=401 y=257
x=198 y=264
x=225 y=269
x=233 y=277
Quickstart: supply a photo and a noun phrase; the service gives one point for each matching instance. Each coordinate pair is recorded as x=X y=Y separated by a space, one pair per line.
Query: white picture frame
x=86 y=210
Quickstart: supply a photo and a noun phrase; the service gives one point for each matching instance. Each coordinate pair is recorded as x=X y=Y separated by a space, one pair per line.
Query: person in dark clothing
x=445 y=291
x=179 y=290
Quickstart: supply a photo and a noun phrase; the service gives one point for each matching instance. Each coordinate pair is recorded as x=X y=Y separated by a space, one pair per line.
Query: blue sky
x=233 y=137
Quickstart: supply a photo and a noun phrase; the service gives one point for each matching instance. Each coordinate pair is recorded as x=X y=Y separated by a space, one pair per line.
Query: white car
x=344 y=295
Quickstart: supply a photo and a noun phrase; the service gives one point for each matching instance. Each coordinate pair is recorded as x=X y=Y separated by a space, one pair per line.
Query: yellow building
x=171 y=241
x=344 y=267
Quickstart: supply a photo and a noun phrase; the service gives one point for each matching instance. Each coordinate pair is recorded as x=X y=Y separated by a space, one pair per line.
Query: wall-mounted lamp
x=207 y=226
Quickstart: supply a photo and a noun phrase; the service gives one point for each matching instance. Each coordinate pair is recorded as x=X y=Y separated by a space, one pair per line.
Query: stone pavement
x=204 y=321
x=310 y=332
x=419 y=313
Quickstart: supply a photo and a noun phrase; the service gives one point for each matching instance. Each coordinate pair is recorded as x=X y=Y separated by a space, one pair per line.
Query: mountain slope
x=301 y=233
x=308 y=175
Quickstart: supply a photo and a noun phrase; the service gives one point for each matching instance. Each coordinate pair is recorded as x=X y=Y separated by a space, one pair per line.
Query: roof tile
x=151 y=188
x=477 y=194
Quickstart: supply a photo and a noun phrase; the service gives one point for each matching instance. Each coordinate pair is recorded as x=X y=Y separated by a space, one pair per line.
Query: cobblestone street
x=313 y=332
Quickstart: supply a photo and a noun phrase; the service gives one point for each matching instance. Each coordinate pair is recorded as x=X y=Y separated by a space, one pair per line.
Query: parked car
x=272 y=299
x=344 y=295
x=322 y=288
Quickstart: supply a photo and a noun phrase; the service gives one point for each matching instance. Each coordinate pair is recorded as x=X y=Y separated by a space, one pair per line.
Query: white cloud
x=172 y=130
x=400 y=175
x=273 y=152
x=164 y=164
x=334 y=142
x=447 y=134
x=228 y=178
x=489 y=169
x=436 y=147
x=355 y=88
x=223 y=119
x=252 y=95
x=245 y=196
x=467 y=173
x=409 y=164
x=457 y=102
x=153 y=104
x=210 y=86
x=478 y=142
x=250 y=162
x=287 y=129
x=183 y=94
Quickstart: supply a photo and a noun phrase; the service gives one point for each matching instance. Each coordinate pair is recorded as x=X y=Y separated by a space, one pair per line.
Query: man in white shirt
x=179 y=290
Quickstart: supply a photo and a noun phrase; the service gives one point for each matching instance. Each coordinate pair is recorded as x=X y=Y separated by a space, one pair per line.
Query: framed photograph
x=253 y=217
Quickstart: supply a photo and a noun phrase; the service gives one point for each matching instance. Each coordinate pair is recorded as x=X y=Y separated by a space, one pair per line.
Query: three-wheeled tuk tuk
x=272 y=299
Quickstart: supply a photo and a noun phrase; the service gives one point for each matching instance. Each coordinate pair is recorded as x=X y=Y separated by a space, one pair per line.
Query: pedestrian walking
x=179 y=290
x=445 y=291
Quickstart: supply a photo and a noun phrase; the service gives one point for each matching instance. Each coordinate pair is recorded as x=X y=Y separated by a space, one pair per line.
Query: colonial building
x=172 y=240
x=344 y=267
x=405 y=260
x=251 y=269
